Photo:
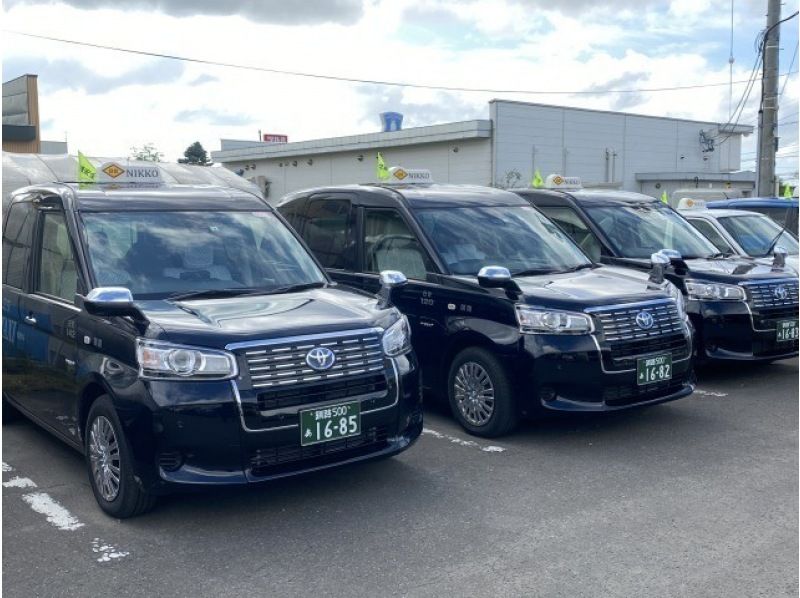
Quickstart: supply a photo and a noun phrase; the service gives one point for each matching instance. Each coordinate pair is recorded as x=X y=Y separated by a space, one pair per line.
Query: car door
x=17 y=243
x=52 y=323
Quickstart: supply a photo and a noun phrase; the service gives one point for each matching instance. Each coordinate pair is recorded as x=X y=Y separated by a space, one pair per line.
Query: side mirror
x=779 y=258
x=110 y=301
x=390 y=279
x=494 y=277
x=660 y=261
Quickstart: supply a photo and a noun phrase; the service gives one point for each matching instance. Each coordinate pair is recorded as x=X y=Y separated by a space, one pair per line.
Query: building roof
x=747 y=176
x=237 y=151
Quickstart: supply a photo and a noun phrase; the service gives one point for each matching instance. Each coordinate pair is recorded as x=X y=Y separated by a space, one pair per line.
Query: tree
x=195 y=154
x=147 y=152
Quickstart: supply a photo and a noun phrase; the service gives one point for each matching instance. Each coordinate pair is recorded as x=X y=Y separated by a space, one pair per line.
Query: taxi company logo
x=114 y=170
x=400 y=174
x=320 y=358
x=780 y=293
x=644 y=320
x=558 y=180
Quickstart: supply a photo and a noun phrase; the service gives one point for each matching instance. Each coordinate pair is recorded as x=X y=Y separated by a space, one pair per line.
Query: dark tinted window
x=390 y=245
x=328 y=231
x=712 y=234
x=293 y=212
x=568 y=219
x=17 y=243
x=57 y=273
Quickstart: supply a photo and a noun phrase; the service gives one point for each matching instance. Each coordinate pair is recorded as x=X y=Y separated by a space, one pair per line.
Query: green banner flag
x=665 y=197
x=787 y=192
x=382 y=170
x=86 y=172
x=538 y=181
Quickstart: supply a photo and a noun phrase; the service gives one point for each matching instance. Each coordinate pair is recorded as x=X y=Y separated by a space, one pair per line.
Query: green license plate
x=788 y=330
x=324 y=424
x=653 y=369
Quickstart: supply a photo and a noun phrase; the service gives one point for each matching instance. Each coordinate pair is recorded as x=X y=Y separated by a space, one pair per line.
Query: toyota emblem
x=780 y=293
x=320 y=358
x=644 y=320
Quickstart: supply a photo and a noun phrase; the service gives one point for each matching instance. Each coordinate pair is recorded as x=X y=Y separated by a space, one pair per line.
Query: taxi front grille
x=292 y=396
x=773 y=294
x=284 y=364
x=275 y=460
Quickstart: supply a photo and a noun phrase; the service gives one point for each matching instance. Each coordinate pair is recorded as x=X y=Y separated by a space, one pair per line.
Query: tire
x=475 y=372
x=102 y=428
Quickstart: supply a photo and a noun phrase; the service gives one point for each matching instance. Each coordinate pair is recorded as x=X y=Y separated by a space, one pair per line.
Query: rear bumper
x=206 y=444
x=729 y=330
x=570 y=373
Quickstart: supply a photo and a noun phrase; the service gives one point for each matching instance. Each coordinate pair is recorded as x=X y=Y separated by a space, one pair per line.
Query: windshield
x=156 y=254
x=756 y=234
x=516 y=237
x=638 y=231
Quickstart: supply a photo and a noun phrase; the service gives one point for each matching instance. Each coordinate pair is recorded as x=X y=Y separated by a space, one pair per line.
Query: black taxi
x=741 y=308
x=509 y=316
x=184 y=337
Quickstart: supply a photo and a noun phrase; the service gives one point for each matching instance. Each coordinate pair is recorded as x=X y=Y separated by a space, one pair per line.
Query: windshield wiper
x=720 y=254
x=216 y=293
x=532 y=272
x=576 y=268
x=291 y=288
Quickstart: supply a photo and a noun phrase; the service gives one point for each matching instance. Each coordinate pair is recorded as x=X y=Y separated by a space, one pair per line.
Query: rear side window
x=17 y=243
x=572 y=224
x=58 y=276
x=712 y=234
x=328 y=231
x=390 y=245
x=293 y=212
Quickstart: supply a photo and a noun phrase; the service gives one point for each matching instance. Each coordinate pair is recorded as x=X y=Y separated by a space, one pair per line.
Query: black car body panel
x=726 y=329
x=58 y=358
x=449 y=312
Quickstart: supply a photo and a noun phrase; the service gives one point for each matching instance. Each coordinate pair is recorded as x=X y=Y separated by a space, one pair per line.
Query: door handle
x=29 y=319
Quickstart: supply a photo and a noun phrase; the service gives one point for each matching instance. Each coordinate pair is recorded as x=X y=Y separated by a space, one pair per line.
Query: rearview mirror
x=110 y=301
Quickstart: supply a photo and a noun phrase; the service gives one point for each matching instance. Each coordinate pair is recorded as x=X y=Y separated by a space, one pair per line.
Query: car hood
x=219 y=322
x=605 y=285
x=734 y=269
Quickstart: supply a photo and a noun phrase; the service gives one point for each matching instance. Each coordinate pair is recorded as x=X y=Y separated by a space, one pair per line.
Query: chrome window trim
x=51 y=299
x=238 y=399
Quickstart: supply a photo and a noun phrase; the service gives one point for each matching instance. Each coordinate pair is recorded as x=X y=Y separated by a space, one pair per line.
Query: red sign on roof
x=275 y=138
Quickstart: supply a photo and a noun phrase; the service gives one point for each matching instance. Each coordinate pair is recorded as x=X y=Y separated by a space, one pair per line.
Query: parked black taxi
x=509 y=316
x=741 y=308
x=183 y=337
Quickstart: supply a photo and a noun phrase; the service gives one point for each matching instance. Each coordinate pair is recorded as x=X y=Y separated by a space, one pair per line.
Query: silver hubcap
x=474 y=393
x=104 y=457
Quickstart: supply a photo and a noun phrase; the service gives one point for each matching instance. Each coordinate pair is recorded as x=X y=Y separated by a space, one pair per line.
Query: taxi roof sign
x=556 y=181
x=687 y=203
x=116 y=172
x=409 y=176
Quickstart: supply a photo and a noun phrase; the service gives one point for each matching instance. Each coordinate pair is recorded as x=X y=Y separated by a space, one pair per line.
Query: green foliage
x=195 y=154
x=147 y=152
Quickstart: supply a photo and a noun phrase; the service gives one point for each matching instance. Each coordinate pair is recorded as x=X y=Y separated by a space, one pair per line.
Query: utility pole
x=768 y=114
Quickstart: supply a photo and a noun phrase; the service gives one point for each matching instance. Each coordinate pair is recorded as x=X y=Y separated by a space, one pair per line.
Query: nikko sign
x=114 y=172
x=556 y=181
x=409 y=176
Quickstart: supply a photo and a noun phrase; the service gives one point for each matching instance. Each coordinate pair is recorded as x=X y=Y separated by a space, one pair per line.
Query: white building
x=611 y=149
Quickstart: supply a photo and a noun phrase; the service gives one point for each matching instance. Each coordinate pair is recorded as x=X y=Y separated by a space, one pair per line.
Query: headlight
x=165 y=360
x=397 y=338
x=678 y=297
x=541 y=321
x=714 y=291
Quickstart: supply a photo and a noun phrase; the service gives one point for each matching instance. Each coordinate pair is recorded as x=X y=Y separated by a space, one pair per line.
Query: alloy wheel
x=105 y=458
x=474 y=393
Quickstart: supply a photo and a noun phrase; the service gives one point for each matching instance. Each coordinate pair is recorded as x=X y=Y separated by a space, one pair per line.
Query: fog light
x=547 y=393
x=170 y=460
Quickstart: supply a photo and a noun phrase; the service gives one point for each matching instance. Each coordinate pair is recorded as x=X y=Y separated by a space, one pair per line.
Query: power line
x=791 y=64
x=368 y=81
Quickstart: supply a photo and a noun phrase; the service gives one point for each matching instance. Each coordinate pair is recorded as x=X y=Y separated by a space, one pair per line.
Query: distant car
x=739 y=232
x=783 y=211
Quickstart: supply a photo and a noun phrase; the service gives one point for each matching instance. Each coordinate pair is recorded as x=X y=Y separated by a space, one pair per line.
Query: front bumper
x=731 y=330
x=577 y=373
x=197 y=435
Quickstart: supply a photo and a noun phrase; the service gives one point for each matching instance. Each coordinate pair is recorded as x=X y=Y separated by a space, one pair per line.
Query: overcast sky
x=105 y=101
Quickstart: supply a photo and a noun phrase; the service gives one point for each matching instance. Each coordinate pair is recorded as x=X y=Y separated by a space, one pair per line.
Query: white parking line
x=7 y=467
x=18 y=482
x=43 y=503
x=461 y=442
x=106 y=551
x=709 y=393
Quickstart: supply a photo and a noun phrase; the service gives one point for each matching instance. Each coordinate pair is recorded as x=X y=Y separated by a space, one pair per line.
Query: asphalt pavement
x=693 y=498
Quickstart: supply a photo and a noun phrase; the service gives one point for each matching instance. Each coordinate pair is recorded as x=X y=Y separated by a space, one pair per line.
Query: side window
x=329 y=232
x=708 y=230
x=390 y=245
x=293 y=212
x=58 y=276
x=571 y=223
x=17 y=243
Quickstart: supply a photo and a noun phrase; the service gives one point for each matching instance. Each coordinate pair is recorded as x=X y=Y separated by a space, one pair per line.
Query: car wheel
x=481 y=395
x=110 y=465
